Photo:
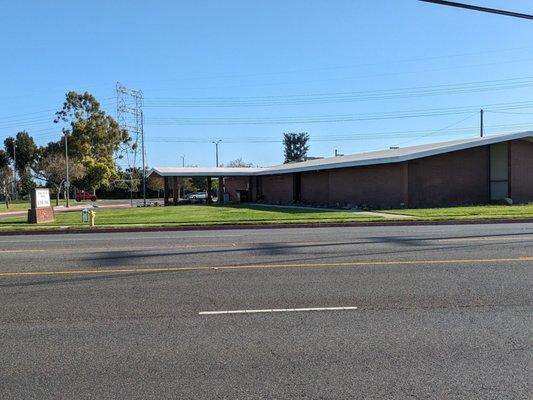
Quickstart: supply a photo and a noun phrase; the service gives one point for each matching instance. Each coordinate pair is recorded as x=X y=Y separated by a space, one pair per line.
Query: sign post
x=40 y=210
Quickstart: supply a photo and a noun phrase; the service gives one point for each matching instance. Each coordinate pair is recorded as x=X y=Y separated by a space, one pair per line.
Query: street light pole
x=67 y=182
x=216 y=142
x=183 y=161
x=143 y=159
x=14 y=169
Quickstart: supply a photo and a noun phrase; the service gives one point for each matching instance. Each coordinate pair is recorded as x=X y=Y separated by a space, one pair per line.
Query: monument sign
x=40 y=210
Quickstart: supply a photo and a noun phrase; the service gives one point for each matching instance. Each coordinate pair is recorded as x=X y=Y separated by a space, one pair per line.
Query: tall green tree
x=5 y=177
x=4 y=159
x=5 y=183
x=25 y=152
x=94 y=139
x=51 y=167
x=53 y=148
x=295 y=146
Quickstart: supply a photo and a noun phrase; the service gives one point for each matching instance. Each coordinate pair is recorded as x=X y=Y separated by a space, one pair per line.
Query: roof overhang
x=202 y=171
x=354 y=160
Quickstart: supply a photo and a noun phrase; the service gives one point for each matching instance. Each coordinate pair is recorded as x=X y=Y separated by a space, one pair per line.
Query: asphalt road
x=443 y=312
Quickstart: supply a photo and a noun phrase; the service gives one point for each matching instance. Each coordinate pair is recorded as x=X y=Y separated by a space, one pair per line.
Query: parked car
x=197 y=195
x=84 y=195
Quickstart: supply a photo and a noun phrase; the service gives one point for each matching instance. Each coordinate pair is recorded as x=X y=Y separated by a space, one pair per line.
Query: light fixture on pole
x=14 y=169
x=216 y=143
x=67 y=180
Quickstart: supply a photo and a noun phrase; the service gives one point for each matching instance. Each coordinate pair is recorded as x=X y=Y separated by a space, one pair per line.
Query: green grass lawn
x=249 y=214
x=20 y=205
x=469 y=212
x=192 y=215
x=14 y=206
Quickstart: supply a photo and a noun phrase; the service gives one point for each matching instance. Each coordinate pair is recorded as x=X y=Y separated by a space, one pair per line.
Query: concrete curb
x=58 y=231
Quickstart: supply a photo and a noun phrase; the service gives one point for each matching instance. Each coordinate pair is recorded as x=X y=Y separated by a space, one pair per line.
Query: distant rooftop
x=392 y=155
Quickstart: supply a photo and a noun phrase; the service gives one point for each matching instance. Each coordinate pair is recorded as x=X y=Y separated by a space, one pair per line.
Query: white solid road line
x=276 y=310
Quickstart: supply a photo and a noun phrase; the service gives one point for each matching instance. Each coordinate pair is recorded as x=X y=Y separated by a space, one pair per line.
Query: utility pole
x=183 y=161
x=14 y=169
x=481 y=123
x=216 y=142
x=67 y=182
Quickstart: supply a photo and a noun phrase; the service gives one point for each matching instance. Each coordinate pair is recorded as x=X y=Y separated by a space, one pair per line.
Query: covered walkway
x=170 y=177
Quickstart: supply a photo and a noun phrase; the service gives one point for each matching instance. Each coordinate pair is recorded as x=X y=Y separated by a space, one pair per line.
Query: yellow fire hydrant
x=92 y=216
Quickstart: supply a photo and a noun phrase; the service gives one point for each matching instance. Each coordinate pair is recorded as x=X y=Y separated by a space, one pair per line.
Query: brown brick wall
x=377 y=186
x=454 y=178
x=521 y=171
x=277 y=189
x=460 y=177
x=315 y=187
x=234 y=183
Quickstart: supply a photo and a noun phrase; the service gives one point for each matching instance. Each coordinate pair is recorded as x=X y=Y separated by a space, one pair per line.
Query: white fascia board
x=337 y=162
x=397 y=159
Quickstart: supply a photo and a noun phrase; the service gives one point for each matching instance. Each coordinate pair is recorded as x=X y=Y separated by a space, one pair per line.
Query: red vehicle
x=84 y=195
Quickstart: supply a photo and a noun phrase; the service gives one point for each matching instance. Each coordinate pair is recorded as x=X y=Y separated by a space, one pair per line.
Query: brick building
x=471 y=171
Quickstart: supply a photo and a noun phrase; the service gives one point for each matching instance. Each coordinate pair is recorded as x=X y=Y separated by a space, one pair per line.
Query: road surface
x=424 y=312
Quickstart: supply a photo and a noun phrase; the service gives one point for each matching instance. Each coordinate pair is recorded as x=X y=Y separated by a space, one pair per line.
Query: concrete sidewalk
x=353 y=210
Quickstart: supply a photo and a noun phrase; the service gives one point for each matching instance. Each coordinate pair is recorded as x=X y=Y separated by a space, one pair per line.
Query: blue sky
x=213 y=69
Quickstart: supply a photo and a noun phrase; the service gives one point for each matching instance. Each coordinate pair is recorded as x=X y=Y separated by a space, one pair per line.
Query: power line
x=439 y=130
x=375 y=116
x=339 y=67
x=328 y=98
x=49 y=110
x=34 y=119
x=478 y=8
x=347 y=78
x=509 y=112
x=347 y=136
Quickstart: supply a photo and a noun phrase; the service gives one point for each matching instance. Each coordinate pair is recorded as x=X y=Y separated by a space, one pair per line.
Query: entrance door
x=499 y=171
x=297 y=187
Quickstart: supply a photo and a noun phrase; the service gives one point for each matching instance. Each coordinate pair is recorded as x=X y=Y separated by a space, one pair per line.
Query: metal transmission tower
x=130 y=116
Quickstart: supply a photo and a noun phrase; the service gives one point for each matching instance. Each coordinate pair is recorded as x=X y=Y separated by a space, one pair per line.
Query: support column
x=175 y=190
x=166 y=190
x=250 y=188
x=220 y=190
x=209 y=199
x=406 y=184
